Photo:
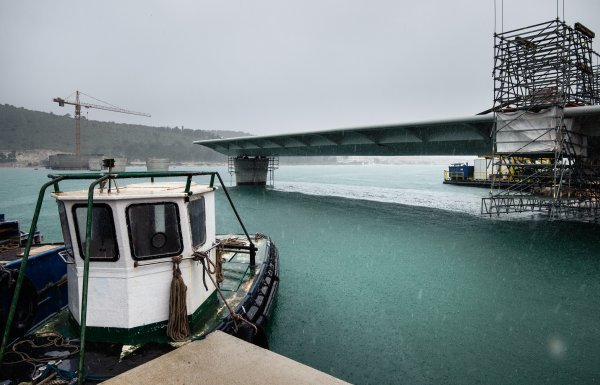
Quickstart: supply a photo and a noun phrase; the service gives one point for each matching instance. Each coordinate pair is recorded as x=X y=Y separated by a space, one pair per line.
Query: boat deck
x=238 y=276
x=485 y=183
x=9 y=253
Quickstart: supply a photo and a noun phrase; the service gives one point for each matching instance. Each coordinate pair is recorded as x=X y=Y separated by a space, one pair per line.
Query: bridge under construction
x=542 y=133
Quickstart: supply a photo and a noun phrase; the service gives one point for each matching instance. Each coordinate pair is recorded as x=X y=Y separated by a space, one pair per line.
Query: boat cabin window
x=64 y=226
x=197 y=221
x=154 y=230
x=104 y=241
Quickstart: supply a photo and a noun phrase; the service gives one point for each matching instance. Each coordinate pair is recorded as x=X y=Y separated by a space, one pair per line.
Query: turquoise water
x=388 y=276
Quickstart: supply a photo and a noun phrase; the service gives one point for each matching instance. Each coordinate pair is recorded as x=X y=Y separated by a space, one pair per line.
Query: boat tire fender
x=256 y=336
x=269 y=306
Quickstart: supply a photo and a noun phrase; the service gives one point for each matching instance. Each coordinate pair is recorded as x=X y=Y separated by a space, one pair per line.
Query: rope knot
x=199 y=255
x=176 y=261
x=238 y=318
x=176 y=270
x=208 y=265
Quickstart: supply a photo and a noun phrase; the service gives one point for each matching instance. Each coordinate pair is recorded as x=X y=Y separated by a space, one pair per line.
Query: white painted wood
x=126 y=294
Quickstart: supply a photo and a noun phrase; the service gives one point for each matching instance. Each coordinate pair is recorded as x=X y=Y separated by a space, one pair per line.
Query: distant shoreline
x=133 y=164
x=28 y=162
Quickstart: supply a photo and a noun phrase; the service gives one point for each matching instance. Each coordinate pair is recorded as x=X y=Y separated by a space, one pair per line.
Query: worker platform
x=222 y=359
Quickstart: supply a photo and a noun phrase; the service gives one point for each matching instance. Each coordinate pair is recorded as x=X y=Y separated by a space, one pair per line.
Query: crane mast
x=77 y=103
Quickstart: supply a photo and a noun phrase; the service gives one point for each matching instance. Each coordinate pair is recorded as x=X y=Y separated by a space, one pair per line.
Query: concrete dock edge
x=222 y=359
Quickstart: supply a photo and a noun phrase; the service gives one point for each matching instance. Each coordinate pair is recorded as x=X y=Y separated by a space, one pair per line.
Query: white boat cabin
x=136 y=231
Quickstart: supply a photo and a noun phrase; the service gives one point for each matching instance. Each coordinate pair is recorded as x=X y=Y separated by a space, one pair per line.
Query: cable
x=101 y=101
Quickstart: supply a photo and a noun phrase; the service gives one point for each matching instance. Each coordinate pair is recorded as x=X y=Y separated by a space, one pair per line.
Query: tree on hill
x=23 y=129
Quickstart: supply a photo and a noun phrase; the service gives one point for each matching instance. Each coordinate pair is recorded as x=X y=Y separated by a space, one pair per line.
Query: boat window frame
x=130 y=238
x=64 y=227
x=203 y=235
x=114 y=233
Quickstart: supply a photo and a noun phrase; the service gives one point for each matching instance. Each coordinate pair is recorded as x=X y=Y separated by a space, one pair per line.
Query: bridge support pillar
x=250 y=170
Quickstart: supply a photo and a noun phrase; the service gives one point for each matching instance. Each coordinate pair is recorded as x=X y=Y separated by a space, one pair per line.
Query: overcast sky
x=263 y=66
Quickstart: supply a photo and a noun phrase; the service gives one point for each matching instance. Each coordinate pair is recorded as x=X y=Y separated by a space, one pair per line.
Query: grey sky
x=263 y=66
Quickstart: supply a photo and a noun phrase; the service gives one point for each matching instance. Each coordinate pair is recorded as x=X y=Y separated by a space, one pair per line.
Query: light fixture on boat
x=108 y=163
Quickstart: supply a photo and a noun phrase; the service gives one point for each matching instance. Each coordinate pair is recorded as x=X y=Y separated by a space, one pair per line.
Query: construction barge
x=487 y=172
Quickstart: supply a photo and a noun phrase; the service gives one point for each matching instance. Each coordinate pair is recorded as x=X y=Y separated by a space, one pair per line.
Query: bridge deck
x=459 y=136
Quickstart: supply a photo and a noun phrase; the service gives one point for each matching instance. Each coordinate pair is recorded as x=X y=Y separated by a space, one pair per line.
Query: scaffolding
x=538 y=72
x=273 y=165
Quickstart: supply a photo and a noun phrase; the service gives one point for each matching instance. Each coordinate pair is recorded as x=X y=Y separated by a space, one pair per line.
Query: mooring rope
x=235 y=316
x=24 y=354
x=54 y=382
x=178 y=328
x=55 y=340
x=219 y=266
x=232 y=241
x=202 y=256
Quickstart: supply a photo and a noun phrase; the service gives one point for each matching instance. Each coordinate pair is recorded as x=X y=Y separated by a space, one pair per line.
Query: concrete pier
x=157 y=164
x=222 y=359
x=251 y=170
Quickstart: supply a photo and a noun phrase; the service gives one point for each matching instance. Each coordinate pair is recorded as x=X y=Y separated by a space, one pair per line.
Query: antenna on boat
x=110 y=164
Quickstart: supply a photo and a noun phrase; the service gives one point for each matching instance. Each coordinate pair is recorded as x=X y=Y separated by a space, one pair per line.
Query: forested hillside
x=22 y=129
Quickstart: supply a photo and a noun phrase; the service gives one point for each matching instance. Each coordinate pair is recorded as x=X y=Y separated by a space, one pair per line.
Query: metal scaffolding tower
x=538 y=72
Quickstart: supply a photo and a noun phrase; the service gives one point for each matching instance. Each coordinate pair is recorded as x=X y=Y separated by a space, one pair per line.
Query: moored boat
x=147 y=272
x=43 y=289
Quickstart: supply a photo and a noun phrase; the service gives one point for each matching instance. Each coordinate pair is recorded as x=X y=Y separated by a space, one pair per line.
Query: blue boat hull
x=44 y=290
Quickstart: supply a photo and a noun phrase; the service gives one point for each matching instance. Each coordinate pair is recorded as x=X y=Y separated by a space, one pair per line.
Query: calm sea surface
x=390 y=277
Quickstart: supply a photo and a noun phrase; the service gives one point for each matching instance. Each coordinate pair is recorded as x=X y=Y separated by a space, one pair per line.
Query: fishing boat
x=43 y=288
x=146 y=273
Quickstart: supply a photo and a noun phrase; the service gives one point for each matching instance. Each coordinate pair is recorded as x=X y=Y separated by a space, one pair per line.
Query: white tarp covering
x=535 y=132
x=484 y=167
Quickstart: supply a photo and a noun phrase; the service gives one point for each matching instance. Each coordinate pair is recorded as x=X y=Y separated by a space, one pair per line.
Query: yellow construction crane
x=77 y=103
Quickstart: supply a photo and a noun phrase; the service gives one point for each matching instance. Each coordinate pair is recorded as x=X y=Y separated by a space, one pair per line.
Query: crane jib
x=78 y=104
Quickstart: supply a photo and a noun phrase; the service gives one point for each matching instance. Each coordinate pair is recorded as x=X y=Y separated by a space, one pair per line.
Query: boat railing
x=101 y=179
